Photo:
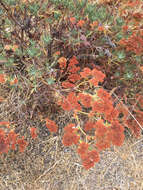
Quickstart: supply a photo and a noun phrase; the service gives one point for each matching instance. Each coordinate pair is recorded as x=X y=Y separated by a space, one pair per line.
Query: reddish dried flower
x=85 y=99
x=101 y=130
x=12 y=139
x=57 y=53
x=22 y=144
x=134 y=43
x=98 y=75
x=70 y=128
x=103 y=143
x=73 y=100
x=132 y=3
x=73 y=61
x=89 y=125
x=62 y=62
x=73 y=69
x=82 y=148
x=33 y=131
x=87 y=163
x=65 y=104
x=2 y=78
x=123 y=42
x=51 y=125
x=89 y=159
x=13 y=82
x=67 y=84
x=101 y=106
x=94 y=24
x=85 y=73
x=98 y=106
x=116 y=126
x=117 y=133
x=117 y=138
x=1 y=99
x=70 y=139
x=5 y=123
x=112 y=115
x=94 y=155
x=4 y=145
x=73 y=20
x=74 y=78
x=94 y=82
x=80 y=23
x=100 y=28
x=138 y=15
x=103 y=94
x=125 y=28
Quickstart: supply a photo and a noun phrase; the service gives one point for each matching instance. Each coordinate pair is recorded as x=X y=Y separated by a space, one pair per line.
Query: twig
x=9 y=14
x=47 y=171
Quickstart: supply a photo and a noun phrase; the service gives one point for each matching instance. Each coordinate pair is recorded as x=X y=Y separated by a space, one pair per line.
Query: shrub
x=76 y=56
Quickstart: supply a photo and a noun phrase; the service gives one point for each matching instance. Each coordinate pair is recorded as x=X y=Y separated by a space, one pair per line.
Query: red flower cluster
x=70 y=137
x=88 y=157
x=97 y=76
x=85 y=99
x=70 y=102
x=112 y=115
x=106 y=130
x=74 y=78
x=5 y=123
x=134 y=43
x=33 y=132
x=82 y=148
x=89 y=125
x=117 y=133
x=71 y=71
x=51 y=125
x=104 y=95
x=62 y=63
x=86 y=72
x=102 y=106
x=2 y=78
x=67 y=84
x=104 y=136
x=22 y=144
x=8 y=141
x=4 y=145
x=12 y=139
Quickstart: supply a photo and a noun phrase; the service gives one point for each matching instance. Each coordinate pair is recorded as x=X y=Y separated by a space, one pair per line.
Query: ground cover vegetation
x=83 y=58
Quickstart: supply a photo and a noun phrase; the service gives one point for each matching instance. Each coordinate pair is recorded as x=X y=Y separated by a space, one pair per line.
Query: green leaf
x=119 y=36
x=121 y=55
x=119 y=21
x=129 y=75
x=32 y=52
x=117 y=74
x=47 y=39
x=50 y=81
x=57 y=15
x=1 y=11
x=34 y=8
